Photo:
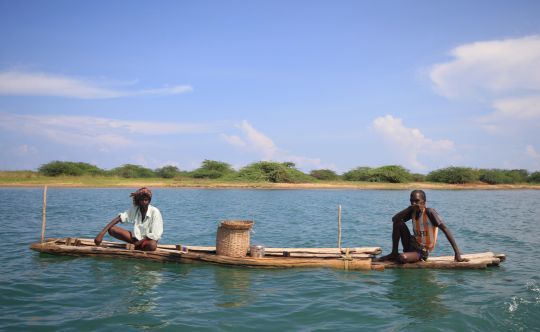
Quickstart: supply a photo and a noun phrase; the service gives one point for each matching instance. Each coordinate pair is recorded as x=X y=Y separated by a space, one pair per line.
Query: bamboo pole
x=339 y=228
x=44 y=220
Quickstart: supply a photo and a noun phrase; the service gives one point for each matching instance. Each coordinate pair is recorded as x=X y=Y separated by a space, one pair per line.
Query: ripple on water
x=64 y=293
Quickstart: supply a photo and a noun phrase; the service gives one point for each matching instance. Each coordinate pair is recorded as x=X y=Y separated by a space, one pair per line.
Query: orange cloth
x=424 y=231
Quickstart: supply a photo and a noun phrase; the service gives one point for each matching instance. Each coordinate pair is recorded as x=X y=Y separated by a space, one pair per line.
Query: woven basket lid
x=237 y=224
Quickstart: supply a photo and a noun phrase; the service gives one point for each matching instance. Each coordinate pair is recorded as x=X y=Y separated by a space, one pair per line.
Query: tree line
x=286 y=172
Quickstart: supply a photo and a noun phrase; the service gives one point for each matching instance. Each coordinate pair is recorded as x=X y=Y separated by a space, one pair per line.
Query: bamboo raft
x=363 y=258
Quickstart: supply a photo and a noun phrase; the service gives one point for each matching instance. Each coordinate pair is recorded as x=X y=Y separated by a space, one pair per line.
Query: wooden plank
x=468 y=256
x=476 y=261
x=358 y=250
x=316 y=255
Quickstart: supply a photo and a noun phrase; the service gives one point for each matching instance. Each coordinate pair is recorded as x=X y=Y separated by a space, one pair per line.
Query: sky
x=323 y=84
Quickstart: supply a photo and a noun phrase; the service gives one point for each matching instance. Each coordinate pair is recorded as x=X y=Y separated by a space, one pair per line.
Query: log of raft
x=348 y=258
x=476 y=261
x=170 y=253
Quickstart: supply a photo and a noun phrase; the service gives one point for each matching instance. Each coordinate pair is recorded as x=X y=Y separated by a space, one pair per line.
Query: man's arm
x=437 y=221
x=99 y=237
x=403 y=215
x=450 y=237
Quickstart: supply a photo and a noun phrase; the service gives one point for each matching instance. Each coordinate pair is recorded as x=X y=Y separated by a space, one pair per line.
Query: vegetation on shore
x=213 y=173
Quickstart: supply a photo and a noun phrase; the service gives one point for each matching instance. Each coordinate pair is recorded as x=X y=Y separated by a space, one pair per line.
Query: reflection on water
x=234 y=287
x=142 y=280
x=418 y=293
x=145 y=278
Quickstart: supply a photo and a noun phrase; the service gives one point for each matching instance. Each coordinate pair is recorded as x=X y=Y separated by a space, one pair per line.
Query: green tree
x=289 y=164
x=518 y=175
x=502 y=176
x=167 y=172
x=453 y=175
x=357 y=174
x=56 y=168
x=324 y=174
x=212 y=169
x=391 y=174
x=268 y=171
x=133 y=171
x=534 y=177
x=416 y=177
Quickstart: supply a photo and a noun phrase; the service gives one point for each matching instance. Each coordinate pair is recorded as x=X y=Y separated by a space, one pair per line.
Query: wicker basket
x=232 y=238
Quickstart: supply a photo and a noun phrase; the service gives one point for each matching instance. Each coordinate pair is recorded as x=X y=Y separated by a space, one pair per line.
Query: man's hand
x=98 y=239
x=458 y=258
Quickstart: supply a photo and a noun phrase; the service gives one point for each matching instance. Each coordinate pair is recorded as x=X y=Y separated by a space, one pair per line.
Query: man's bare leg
x=400 y=231
x=121 y=234
x=409 y=257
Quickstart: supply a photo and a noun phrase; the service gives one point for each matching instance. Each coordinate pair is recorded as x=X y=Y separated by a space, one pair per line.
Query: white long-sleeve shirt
x=152 y=225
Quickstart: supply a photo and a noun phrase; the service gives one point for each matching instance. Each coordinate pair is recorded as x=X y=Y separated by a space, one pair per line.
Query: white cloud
x=44 y=84
x=490 y=69
x=523 y=108
x=107 y=135
x=259 y=141
x=253 y=140
x=502 y=74
x=409 y=143
x=104 y=133
x=531 y=152
x=234 y=140
x=173 y=90
x=162 y=128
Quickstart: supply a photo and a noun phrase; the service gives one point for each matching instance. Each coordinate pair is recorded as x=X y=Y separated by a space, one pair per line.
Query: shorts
x=423 y=253
x=134 y=239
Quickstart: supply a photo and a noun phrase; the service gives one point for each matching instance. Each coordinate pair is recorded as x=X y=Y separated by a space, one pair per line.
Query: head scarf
x=142 y=192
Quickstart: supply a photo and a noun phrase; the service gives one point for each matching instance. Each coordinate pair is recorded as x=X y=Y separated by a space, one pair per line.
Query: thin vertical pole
x=339 y=228
x=44 y=214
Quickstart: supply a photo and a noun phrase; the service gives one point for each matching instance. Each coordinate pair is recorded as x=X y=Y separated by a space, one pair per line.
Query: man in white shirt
x=147 y=220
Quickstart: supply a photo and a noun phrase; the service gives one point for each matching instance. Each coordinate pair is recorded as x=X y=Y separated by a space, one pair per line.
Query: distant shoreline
x=108 y=182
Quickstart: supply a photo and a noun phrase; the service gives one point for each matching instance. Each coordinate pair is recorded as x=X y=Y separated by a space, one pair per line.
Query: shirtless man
x=426 y=222
x=147 y=220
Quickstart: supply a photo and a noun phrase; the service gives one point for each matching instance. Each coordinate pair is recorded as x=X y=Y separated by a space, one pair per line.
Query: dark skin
x=119 y=233
x=401 y=232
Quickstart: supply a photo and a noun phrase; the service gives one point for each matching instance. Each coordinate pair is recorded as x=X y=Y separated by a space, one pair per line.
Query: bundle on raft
x=362 y=258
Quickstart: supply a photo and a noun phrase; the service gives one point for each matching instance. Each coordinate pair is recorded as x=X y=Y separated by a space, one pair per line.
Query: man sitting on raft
x=148 y=224
x=426 y=222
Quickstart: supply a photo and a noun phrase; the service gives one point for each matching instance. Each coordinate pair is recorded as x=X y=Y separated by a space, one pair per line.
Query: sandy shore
x=128 y=183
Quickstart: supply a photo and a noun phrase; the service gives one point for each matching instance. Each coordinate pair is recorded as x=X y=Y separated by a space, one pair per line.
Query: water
x=44 y=292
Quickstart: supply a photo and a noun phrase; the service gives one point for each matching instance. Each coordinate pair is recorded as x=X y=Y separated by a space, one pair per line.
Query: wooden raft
x=362 y=258
x=354 y=259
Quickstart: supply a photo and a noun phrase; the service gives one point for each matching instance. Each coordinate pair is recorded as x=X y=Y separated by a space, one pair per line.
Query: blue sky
x=325 y=84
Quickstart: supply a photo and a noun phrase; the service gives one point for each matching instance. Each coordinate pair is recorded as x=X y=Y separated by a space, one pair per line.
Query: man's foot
x=146 y=245
x=389 y=258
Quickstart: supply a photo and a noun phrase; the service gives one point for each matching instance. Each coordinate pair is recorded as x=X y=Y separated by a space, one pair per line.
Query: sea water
x=45 y=292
